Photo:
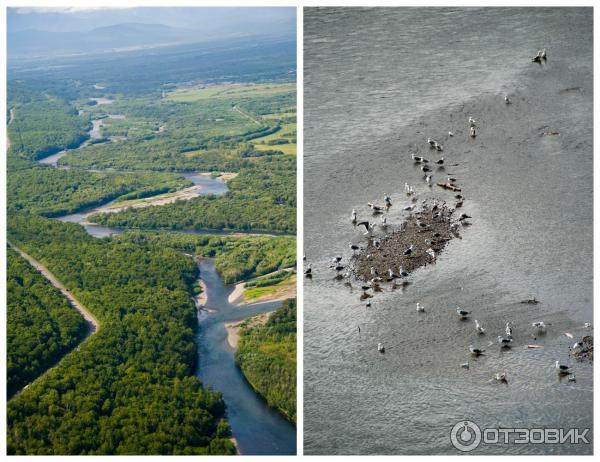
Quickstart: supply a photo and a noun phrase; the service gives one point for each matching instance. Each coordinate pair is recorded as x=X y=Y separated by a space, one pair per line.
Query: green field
x=230 y=91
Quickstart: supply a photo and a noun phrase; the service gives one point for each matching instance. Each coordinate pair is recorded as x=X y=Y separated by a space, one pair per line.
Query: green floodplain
x=130 y=388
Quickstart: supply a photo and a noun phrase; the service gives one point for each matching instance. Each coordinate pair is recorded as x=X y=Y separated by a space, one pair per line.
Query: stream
x=257 y=428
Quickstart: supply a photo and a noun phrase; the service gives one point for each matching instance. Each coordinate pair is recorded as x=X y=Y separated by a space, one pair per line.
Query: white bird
x=572 y=378
x=410 y=208
x=388 y=200
x=369 y=227
x=375 y=208
x=450 y=134
x=440 y=161
x=543 y=54
x=408 y=251
x=373 y=271
x=431 y=253
x=475 y=351
x=431 y=142
x=420 y=308
x=308 y=270
x=465 y=365
x=561 y=368
x=478 y=328
x=504 y=341
x=392 y=275
x=402 y=272
x=539 y=325
x=428 y=179
x=587 y=325
x=506 y=99
x=500 y=376
x=353 y=216
x=419 y=159
x=462 y=313
x=383 y=221
x=472 y=132
x=508 y=330
x=439 y=147
x=406 y=188
x=380 y=348
x=472 y=121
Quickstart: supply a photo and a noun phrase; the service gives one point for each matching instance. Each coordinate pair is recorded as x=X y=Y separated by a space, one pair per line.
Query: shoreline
x=233 y=328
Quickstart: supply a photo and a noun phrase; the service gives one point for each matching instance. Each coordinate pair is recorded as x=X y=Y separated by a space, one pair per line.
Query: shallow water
x=210 y=186
x=378 y=82
x=258 y=429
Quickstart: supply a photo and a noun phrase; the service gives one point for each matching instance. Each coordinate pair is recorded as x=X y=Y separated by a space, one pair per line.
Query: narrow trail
x=94 y=325
x=248 y=116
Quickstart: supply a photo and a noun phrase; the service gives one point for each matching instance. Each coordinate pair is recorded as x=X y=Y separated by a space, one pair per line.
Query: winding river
x=258 y=429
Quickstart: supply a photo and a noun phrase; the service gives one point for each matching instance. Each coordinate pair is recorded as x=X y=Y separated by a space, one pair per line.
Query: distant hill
x=32 y=42
x=43 y=32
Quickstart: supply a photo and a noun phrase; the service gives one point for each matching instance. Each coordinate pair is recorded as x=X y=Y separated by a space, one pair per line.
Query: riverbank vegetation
x=236 y=258
x=129 y=389
x=260 y=199
x=266 y=355
x=51 y=192
x=41 y=326
x=43 y=125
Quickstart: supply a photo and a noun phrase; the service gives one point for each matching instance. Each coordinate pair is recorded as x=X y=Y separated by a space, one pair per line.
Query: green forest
x=236 y=258
x=51 y=192
x=260 y=199
x=41 y=325
x=267 y=356
x=129 y=389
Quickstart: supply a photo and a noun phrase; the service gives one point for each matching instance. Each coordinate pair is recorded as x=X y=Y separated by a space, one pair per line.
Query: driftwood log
x=449 y=186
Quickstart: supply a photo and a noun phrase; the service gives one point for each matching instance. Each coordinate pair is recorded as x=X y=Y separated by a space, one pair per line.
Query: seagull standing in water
x=475 y=351
x=472 y=121
x=480 y=330
x=387 y=200
x=500 y=376
x=403 y=272
x=508 y=330
x=428 y=180
x=308 y=271
x=506 y=99
x=472 y=132
x=420 y=308
x=504 y=341
x=353 y=216
x=540 y=326
x=375 y=208
x=462 y=313
x=561 y=368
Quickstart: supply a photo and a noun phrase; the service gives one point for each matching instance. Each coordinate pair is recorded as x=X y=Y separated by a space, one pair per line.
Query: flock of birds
x=504 y=340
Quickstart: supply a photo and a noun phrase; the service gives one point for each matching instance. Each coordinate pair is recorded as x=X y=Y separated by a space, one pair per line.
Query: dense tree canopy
x=129 y=389
x=267 y=356
x=41 y=326
x=237 y=258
